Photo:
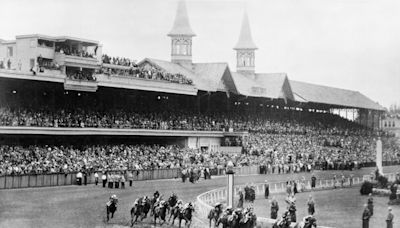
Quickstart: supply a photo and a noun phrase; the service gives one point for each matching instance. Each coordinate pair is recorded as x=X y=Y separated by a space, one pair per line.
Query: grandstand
x=67 y=107
x=58 y=90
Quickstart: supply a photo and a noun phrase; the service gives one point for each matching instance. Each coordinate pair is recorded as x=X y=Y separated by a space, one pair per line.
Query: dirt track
x=84 y=206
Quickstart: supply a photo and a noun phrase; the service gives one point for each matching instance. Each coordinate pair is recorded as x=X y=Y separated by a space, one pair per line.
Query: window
x=10 y=52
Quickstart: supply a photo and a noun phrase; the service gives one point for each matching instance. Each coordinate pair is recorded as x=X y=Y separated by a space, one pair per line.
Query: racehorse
x=174 y=213
x=186 y=214
x=229 y=220
x=140 y=209
x=172 y=202
x=136 y=211
x=308 y=222
x=282 y=222
x=111 y=207
x=160 y=212
x=214 y=215
x=248 y=220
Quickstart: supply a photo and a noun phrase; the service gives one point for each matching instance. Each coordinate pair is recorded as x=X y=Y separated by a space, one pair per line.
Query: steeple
x=245 y=49
x=181 y=37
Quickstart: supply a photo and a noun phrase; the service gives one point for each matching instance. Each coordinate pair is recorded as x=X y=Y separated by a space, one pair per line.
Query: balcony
x=131 y=82
x=45 y=52
x=80 y=85
x=76 y=61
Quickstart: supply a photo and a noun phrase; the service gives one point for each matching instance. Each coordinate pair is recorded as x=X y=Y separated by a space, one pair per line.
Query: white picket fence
x=205 y=201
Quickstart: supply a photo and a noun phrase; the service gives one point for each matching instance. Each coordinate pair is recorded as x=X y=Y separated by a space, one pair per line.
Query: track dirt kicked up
x=84 y=206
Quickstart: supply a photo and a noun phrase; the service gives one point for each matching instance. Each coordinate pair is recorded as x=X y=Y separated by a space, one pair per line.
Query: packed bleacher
x=275 y=143
x=118 y=61
x=81 y=76
x=67 y=50
x=149 y=73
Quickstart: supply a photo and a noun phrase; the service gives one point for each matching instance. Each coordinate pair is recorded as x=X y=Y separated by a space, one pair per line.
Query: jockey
x=218 y=207
x=113 y=199
x=144 y=200
x=156 y=195
x=136 y=202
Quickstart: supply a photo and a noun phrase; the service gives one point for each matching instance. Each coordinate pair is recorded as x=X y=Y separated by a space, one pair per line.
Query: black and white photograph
x=200 y=113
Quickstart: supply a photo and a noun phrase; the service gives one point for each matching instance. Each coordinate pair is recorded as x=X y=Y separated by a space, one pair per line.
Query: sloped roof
x=245 y=38
x=212 y=73
x=181 y=24
x=307 y=92
x=263 y=85
x=175 y=68
x=205 y=76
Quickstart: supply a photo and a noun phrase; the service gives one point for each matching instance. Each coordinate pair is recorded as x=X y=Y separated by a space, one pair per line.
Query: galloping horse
x=172 y=202
x=140 y=209
x=186 y=214
x=174 y=213
x=160 y=212
x=308 y=222
x=214 y=215
x=111 y=207
x=136 y=211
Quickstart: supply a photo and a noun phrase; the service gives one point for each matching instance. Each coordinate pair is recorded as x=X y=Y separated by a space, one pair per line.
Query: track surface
x=84 y=206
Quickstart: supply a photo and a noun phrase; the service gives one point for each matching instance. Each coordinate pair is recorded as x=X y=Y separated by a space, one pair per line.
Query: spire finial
x=245 y=38
x=181 y=24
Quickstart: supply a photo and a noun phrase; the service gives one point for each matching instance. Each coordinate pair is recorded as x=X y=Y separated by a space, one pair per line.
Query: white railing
x=207 y=199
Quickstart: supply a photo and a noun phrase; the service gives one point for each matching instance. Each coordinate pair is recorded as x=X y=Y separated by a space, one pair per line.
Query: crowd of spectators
x=118 y=61
x=278 y=145
x=67 y=50
x=149 y=73
x=81 y=75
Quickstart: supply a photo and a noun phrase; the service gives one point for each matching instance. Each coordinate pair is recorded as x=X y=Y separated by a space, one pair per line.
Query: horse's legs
x=108 y=218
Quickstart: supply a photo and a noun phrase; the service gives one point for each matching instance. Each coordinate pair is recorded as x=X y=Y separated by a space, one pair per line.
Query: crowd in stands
x=149 y=73
x=278 y=145
x=67 y=50
x=81 y=75
x=118 y=61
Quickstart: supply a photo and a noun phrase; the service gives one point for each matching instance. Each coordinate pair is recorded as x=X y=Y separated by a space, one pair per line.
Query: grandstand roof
x=307 y=92
x=181 y=24
x=213 y=74
x=263 y=85
x=205 y=76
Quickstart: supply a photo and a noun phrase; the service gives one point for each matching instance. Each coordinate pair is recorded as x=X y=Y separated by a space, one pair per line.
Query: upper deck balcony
x=76 y=61
x=77 y=53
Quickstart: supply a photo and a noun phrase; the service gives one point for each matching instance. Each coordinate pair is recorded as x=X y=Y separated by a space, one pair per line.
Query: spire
x=245 y=38
x=181 y=24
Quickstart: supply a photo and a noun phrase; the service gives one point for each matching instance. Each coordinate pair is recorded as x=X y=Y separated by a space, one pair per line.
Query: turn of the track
x=84 y=206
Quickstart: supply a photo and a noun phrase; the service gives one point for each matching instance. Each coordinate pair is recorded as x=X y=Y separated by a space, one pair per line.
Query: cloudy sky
x=352 y=44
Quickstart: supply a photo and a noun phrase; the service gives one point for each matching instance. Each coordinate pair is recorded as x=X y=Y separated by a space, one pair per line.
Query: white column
x=379 y=155
x=230 y=190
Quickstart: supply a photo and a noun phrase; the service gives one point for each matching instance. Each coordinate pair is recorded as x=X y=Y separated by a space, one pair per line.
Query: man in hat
x=311 y=205
x=274 y=208
x=266 y=191
x=104 y=179
x=240 y=202
x=389 y=219
x=313 y=181
x=366 y=216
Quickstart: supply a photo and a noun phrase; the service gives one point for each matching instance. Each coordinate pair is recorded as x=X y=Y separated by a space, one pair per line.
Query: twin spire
x=245 y=39
x=181 y=42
